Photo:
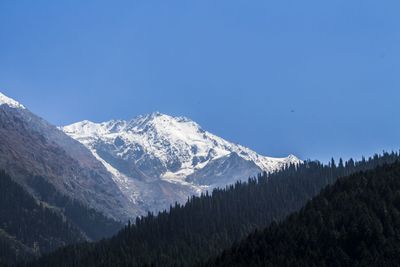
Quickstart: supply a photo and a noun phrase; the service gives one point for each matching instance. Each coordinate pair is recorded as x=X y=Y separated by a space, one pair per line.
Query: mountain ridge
x=174 y=152
x=5 y=100
x=159 y=125
x=354 y=222
x=205 y=226
x=32 y=147
x=125 y=168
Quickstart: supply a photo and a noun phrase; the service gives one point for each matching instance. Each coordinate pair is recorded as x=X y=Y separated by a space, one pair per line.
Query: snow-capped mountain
x=32 y=150
x=173 y=154
x=124 y=168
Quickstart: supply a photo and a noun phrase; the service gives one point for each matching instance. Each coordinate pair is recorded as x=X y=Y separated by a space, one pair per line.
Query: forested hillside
x=205 y=226
x=94 y=224
x=12 y=250
x=355 y=222
x=28 y=228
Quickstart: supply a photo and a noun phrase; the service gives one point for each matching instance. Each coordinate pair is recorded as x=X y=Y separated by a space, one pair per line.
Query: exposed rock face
x=158 y=159
x=124 y=168
x=29 y=146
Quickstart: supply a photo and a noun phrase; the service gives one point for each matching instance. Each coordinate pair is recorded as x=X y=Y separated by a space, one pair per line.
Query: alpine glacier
x=158 y=159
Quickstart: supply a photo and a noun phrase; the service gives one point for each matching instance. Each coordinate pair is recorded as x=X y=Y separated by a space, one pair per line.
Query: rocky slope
x=123 y=168
x=31 y=147
x=158 y=159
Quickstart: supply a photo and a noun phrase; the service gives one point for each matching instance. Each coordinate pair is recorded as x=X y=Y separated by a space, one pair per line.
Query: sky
x=317 y=79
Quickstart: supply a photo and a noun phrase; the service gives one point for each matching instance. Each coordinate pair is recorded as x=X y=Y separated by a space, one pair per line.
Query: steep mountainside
x=355 y=222
x=173 y=154
x=28 y=228
x=31 y=147
x=206 y=225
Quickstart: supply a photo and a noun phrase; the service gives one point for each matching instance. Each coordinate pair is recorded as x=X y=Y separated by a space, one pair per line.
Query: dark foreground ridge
x=29 y=228
x=189 y=235
x=355 y=222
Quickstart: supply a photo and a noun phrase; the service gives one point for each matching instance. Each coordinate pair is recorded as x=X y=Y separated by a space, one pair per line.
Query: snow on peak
x=179 y=145
x=5 y=100
x=158 y=159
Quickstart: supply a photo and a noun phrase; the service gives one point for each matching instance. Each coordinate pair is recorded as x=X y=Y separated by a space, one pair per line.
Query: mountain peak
x=173 y=146
x=156 y=114
x=292 y=157
x=168 y=158
x=160 y=121
x=5 y=100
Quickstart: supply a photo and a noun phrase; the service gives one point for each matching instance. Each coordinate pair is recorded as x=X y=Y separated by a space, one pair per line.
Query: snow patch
x=5 y=100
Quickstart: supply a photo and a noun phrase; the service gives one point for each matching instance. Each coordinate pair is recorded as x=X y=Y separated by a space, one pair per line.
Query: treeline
x=355 y=222
x=202 y=228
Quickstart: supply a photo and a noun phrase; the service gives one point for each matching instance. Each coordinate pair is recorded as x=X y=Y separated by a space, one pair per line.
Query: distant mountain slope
x=355 y=222
x=31 y=147
x=28 y=228
x=172 y=152
x=206 y=225
x=58 y=189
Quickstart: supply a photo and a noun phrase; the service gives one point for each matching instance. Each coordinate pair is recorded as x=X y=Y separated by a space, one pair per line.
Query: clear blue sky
x=239 y=68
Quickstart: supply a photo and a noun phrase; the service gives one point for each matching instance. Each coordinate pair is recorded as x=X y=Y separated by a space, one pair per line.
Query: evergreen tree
x=189 y=234
x=355 y=222
x=29 y=228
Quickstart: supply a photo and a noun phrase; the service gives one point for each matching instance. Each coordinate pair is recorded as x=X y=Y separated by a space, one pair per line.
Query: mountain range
x=189 y=194
x=123 y=168
x=158 y=159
